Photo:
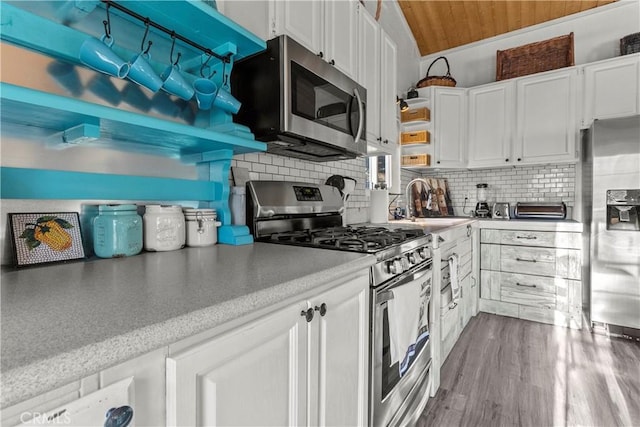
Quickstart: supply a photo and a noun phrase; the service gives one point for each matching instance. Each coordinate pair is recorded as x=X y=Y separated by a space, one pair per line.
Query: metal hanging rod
x=171 y=33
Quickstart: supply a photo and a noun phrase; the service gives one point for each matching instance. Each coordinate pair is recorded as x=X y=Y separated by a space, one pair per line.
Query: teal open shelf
x=28 y=107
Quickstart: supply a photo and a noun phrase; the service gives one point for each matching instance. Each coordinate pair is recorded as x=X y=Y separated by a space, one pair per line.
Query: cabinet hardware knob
x=438 y=162
x=386 y=141
x=506 y=160
x=322 y=309
x=379 y=138
x=332 y=62
x=308 y=314
x=519 y=159
x=320 y=54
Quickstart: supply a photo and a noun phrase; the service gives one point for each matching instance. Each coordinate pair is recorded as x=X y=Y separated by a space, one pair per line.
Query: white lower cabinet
x=533 y=275
x=455 y=314
x=280 y=369
x=138 y=383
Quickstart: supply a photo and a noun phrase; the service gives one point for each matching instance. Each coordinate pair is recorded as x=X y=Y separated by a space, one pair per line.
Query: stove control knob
x=406 y=264
x=413 y=257
x=394 y=267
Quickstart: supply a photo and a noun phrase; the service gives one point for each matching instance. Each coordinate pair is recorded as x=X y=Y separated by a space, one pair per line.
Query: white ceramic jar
x=202 y=227
x=164 y=228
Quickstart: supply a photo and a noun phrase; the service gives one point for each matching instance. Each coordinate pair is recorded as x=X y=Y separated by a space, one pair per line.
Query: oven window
x=315 y=99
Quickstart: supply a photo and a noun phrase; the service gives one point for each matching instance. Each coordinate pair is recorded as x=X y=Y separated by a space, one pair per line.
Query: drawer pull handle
x=526 y=260
x=526 y=237
x=525 y=285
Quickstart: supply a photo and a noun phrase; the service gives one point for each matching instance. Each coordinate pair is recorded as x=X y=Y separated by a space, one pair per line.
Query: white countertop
x=63 y=322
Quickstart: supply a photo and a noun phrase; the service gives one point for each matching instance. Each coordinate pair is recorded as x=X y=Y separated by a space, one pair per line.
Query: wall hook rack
x=109 y=3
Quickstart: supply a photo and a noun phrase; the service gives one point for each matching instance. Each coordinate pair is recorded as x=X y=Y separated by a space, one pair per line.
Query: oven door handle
x=384 y=296
x=381 y=292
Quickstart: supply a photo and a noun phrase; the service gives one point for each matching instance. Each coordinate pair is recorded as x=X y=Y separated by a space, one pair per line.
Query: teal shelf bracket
x=214 y=166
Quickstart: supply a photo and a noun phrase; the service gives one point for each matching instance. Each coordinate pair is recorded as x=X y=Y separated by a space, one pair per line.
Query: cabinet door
x=340 y=41
x=339 y=355
x=253 y=375
x=546 y=123
x=450 y=136
x=302 y=20
x=388 y=109
x=369 y=72
x=611 y=89
x=491 y=125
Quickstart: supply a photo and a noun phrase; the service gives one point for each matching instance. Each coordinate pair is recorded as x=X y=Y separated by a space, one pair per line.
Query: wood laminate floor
x=506 y=371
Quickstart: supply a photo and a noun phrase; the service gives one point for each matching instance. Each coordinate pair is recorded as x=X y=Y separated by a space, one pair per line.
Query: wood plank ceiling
x=439 y=25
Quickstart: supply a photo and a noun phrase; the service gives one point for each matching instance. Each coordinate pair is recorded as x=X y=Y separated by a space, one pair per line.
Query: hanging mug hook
x=107 y=24
x=204 y=65
x=144 y=38
x=173 y=45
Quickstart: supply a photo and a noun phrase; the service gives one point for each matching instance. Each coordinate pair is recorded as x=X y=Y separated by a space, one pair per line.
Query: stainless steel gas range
x=310 y=215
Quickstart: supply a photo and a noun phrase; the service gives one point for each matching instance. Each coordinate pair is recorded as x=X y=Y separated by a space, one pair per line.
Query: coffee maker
x=482 y=207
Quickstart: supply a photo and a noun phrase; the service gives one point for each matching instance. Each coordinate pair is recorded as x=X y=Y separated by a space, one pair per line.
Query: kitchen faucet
x=408 y=196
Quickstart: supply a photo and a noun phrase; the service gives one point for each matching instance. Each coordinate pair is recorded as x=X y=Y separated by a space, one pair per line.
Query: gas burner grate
x=291 y=236
x=359 y=239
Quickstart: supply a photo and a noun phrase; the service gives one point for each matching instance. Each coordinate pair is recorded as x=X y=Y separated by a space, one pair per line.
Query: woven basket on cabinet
x=535 y=57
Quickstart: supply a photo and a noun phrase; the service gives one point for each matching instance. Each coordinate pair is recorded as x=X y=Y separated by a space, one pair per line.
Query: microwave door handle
x=360 y=115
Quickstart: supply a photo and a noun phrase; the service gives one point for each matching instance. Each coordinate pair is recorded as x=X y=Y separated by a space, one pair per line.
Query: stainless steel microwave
x=299 y=104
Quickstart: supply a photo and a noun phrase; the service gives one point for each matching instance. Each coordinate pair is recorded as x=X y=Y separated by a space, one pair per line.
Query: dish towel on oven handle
x=455 y=284
x=408 y=321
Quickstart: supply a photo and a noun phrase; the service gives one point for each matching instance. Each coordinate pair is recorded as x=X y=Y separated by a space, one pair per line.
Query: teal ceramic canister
x=117 y=231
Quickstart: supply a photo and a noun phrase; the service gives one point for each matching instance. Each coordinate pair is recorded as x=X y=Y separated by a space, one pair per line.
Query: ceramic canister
x=117 y=231
x=164 y=228
x=202 y=227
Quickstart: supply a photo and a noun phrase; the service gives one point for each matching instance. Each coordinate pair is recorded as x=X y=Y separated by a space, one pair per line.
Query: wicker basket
x=630 y=44
x=535 y=57
x=417 y=137
x=446 y=80
x=416 y=160
x=416 y=114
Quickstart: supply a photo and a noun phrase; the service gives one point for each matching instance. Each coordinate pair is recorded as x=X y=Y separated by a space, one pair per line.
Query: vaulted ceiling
x=438 y=25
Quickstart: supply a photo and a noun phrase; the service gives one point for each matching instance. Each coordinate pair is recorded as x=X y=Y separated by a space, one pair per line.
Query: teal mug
x=98 y=55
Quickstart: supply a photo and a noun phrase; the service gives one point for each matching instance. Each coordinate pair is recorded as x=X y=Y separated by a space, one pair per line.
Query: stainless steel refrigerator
x=611 y=213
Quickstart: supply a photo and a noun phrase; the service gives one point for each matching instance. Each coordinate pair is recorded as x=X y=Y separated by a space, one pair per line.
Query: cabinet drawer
x=417 y=160
x=549 y=239
x=527 y=296
x=541 y=261
x=422 y=114
x=417 y=137
x=541 y=238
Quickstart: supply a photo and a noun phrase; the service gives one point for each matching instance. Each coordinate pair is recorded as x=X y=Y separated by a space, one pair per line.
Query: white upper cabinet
x=369 y=72
x=341 y=35
x=303 y=21
x=327 y=28
x=377 y=57
x=491 y=116
x=449 y=117
x=388 y=108
x=611 y=89
x=546 y=129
